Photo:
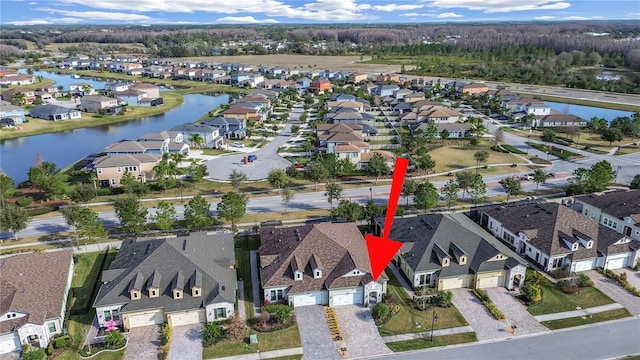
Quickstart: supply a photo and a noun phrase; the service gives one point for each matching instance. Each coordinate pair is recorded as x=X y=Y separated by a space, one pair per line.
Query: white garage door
x=9 y=343
x=314 y=298
x=147 y=318
x=347 y=297
x=616 y=263
x=186 y=318
x=583 y=265
x=489 y=282
x=453 y=283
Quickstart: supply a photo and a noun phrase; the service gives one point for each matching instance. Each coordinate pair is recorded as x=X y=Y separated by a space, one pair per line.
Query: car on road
x=526 y=177
x=551 y=175
x=252 y=157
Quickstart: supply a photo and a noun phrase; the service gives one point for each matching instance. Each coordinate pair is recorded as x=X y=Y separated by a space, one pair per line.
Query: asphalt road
x=598 y=341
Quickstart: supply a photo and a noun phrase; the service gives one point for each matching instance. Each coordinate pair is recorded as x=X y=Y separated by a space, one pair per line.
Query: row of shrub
x=382 y=312
x=165 y=340
x=232 y=329
x=273 y=317
x=486 y=301
x=573 y=284
x=499 y=149
x=620 y=279
x=512 y=149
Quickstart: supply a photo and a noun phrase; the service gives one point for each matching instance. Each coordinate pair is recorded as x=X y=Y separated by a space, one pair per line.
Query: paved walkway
x=314 y=333
x=360 y=332
x=577 y=313
x=242 y=312
x=426 y=334
x=478 y=317
x=186 y=342
x=515 y=312
x=143 y=343
x=265 y=355
x=402 y=280
x=615 y=291
x=255 y=282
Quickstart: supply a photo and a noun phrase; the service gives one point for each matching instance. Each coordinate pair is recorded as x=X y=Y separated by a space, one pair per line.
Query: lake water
x=586 y=112
x=66 y=80
x=65 y=148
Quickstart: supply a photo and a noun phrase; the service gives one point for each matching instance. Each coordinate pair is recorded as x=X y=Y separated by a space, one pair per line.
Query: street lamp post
x=371 y=194
x=434 y=318
x=547 y=156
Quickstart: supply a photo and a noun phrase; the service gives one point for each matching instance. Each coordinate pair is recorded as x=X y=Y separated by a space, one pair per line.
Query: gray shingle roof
x=174 y=261
x=125 y=160
x=619 y=203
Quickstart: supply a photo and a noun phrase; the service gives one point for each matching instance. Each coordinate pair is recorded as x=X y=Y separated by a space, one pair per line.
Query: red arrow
x=382 y=249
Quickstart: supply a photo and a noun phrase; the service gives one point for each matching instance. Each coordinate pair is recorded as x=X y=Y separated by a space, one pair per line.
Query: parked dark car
x=252 y=158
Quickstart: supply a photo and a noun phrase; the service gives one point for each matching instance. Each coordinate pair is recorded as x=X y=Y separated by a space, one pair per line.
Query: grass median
x=585 y=320
x=425 y=343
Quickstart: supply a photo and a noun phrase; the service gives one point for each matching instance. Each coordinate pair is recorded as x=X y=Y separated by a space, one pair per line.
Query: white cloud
x=500 y=5
x=448 y=15
x=582 y=18
x=545 y=17
x=396 y=7
x=634 y=14
x=244 y=20
x=33 y=3
x=411 y=14
x=97 y=15
x=29 y=22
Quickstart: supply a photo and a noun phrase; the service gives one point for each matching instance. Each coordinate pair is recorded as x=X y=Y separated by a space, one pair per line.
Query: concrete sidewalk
x=242 y=312
x=426 y=334
x=578 y=312
x=265 y=355
x=255 y=282
x=402 y=280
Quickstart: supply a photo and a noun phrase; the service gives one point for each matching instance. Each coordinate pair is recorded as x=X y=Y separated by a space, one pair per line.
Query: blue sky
x=34 y=12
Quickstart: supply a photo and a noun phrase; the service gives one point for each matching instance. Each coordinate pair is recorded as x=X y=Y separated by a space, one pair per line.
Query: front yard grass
x=282 y=339
x=554 y=300
x=584 y=320
x=450 y=158
x=411 y=320
x=444 y=340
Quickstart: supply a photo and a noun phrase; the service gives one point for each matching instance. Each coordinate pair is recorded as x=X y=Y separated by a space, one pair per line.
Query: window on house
x=115 y=314
x=556 y=263
x=113 y=181
x=219 y=313
x=276 y=295
x=107 y=315
x=99 y=170
x=52 y=327
x=153 y=293
x=425 y=279
x=317 y=274
x=298 y=276
x=8 y=316
x=118 y=169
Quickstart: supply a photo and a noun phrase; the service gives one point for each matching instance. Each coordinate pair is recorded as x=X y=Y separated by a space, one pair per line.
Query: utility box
x=253 y=339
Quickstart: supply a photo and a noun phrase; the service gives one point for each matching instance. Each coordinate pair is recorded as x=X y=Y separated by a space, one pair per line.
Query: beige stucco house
x=110 y=169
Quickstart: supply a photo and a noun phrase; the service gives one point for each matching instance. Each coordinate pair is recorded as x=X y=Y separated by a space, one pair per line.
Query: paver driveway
x=485 y=325
x=360 y=332
x=143 y=343
x=186 y=342
x=515 y=312
x=315 y=335
x=615 y=291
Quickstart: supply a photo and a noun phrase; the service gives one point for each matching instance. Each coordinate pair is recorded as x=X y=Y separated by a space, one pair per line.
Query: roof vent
x=184 y=244
x=223 y=288
x=146 y=251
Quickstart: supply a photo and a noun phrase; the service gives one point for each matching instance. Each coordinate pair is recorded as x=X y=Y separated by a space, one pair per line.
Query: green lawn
x=411 y=320
x=554 y=300
x=86 y=274
x=580 y=320
x=437 y=341
x=282 y=339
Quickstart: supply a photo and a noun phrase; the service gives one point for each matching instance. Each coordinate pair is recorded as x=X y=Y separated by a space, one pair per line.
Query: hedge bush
x=486 y=301
x=532 y=293
x=61 y=341
x=166 y=334
x=24 y=201
x=622 y=280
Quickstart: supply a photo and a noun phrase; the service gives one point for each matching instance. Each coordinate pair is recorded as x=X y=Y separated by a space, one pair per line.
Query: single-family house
x=439 y=114
x=401 y=93
x=317 y=264
x=110 y=168
x=33 y=299
x=528 y=106
x=423 y=104
x=554 y=236
x=349 y=116
x=81 y=89
x=320 y=86
x=475 y=88
x=17 y=79
x=450 y=251
x=358 y=77
x=303 y=82
x=117 y=86
x=100 y=105
x=137 y=147
x=150 y=90
x=55 y=112
x=384 y=90
x=387 y=78
x=414 y=97
x=229 y=128
x=178 y=281
x=173 y=141
x=452 y=130
x=504 y=95
x=559 y=120
x=210 y=136
x=241 y=112
x=13 y=112
x=130 y=97
x=7 y=123
x=19 y=96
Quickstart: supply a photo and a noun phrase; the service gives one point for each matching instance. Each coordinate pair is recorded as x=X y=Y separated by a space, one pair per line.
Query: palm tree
x=19 y=98
x=196 y=139
x=539 y=177
x=334 y=192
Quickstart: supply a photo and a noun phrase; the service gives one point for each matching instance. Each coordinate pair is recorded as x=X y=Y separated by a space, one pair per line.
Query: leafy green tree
x=197 y=213
x=232 y=207
x=114 y=339
x=481 y=157
x=333 y=192
x=426 y=196
x=377 y=167
x=597 y=124
x=34 y=354
x=464 y=180
x=18 y=98
x=278 y=178
x=133 y=217
x=315 y=172
x=635 y=183
x=7 y=186
x=425 y=162
x=165 y=216
x=348 y=210
x=450 y=192
x=512 y=186
x=164 y=174
x=85 y=222
x=83 y=193
x=478 y=189
x=601 y=176
x=236 y=178
x=346 y=167
x=371 y=210
x=196 y=140
x=47 y=179
x=548 y=135
x=409 y=187
x=132 y=185
x=196 y=172
x=287 y=196
x=539 y=177
x=13 y=218
x=611 y=135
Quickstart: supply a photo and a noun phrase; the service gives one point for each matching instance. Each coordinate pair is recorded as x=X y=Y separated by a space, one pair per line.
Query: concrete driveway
x=360 y=332
x=478 y=317
x=143 y=343
x=315 y=335
x=186 y=342
x=268 y=157
x=615 y=291
x=515 y=312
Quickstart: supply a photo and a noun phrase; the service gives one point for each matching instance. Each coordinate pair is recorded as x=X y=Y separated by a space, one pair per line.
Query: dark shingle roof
x=617 y=203
x=170 y=263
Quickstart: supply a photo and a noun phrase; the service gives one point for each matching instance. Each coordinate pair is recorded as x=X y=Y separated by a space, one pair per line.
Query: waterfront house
x=210 y=135
x=100 y=105
x=12 y=96
x=110 y=168
x=229 y=128
x=13 y=112
x=55 y=112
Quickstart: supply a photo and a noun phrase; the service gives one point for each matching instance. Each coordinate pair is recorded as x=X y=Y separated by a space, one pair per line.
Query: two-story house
x=320 y=86
x=15 y=113
x=109 y=169
x=229 y=128
x=100 y=105
x=19 y=96
x=210 y=136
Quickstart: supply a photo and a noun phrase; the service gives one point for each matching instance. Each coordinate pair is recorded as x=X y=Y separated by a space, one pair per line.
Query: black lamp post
x=547 y=156
x=371 y=194
x=181 y=198
x=434 y=318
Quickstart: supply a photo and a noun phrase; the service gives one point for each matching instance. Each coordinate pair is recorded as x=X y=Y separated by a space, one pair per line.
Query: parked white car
x=238 y=144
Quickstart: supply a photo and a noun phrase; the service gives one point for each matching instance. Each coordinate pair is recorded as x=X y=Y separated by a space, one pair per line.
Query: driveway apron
x=615 y=291
x=515 y=312
x=314 y=332
x=482 y=322
x=186 y=342
x=360 y=332
x=143 y=343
